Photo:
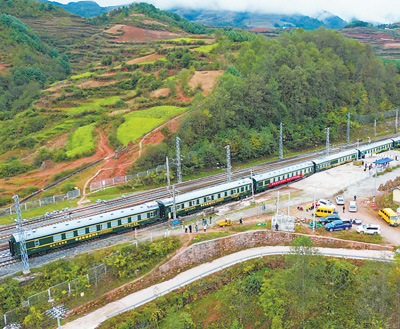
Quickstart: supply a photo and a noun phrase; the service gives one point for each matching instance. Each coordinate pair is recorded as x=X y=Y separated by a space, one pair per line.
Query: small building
x=396 y=195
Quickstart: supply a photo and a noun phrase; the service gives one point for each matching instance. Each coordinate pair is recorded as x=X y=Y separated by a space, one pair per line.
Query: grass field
x=162 y=59
x=93 y=106
x=139 y=123
x=81 y=142
x=39 y=211
x=206 y=48
x=81 y=76
x=56 y=130
x=185 y=39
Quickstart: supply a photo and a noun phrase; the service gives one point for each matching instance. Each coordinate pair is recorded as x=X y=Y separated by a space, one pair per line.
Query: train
x=60 y=235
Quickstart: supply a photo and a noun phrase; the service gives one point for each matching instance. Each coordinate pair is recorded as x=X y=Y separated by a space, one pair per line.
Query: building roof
x=383 y=161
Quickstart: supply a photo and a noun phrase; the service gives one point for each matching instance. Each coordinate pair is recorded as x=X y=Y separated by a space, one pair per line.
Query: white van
x=352 y=206
x=369 y=229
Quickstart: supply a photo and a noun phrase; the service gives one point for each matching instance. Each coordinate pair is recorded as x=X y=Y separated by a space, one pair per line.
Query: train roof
x=372 y=145
x=206 y=191
x=273 y=173
x=82 y=222
x=335 y=156
x=396 y=139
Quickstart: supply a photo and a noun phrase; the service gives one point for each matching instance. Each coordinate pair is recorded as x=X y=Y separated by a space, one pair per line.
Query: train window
x=81 y=231
x=57 y=237
x=114 y=223
x=135 y=218
x=103 y=226
x=124 y=221
x=37 y=243
x=69 y=235
x=208 y=198
x=92 y=229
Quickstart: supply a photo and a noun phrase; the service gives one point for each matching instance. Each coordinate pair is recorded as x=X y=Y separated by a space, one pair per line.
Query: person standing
x=190 y=228
x=205 y=227
x=186 y=228
x=210 y=220
x=344 y=208
x=197 y=228
x=355 y=198
x=240 y=221
x=276 y=226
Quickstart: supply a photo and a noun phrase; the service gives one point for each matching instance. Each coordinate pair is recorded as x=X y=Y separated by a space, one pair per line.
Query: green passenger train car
x=62 y=234
x=280 y=176
x=334 y=160
x=377 y=147
x=193 y=201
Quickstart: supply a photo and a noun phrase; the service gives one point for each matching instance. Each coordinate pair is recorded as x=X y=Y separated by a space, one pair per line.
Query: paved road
x=92 y=320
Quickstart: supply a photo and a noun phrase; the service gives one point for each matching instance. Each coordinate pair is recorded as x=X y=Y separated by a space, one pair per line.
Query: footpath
x=94 y=319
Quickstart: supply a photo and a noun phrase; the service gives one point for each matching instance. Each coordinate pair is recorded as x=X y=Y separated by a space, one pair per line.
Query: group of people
x=189 y=228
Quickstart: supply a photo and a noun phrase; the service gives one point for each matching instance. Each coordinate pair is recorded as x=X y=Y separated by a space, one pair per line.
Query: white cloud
x=383 y=11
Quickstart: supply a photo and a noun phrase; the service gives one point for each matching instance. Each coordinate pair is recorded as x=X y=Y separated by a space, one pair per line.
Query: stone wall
x=208 y=250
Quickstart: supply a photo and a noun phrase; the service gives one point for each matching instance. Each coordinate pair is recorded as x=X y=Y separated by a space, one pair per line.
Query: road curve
x=94 y=319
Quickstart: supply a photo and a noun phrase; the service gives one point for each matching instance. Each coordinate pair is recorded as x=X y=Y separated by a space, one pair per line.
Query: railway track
x=162 y=192
x=6 y=258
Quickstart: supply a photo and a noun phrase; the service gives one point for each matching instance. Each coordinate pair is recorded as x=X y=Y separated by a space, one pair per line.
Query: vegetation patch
x=81 y=142
x=81 y=76
x=205 y=48
x=139 y=123
x=93 y=106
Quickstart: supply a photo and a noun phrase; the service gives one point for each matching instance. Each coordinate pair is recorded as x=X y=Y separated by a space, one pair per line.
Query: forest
x=309 y=80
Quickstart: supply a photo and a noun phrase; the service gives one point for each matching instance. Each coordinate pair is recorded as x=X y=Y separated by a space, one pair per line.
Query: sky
x=374 y=11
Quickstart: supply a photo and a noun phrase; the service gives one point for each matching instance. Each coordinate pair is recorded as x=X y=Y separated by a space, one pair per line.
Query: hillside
x=137 y=68
x=384 y=39
x=224 y=18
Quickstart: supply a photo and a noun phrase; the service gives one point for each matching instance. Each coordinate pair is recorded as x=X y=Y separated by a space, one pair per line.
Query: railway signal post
x=228 y=162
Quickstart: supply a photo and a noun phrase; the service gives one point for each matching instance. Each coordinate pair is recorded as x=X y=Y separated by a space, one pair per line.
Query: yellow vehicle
x=389 y=216
x=225 y=222
x=323 y=211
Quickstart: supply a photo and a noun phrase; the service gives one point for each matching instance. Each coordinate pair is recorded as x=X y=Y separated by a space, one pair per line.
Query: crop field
x=139 y=123
x=81 y=141
x=162 y=59
x=81 y=76
x=56 y=130
x=93 y=106
x=185 y=39
x=206 y=48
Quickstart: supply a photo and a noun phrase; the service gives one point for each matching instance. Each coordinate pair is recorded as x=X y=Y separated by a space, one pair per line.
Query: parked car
x=369 y=229
x=356 y=221
x=326 y=203
x=328 y=219
x=337 y=225
x=340 y=200
x=353 y=206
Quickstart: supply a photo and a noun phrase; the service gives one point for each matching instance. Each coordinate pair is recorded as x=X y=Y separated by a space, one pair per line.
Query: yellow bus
x=389 y=216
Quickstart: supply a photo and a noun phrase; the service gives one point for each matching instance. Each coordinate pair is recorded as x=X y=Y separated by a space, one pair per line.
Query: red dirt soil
x=41 y=177
x=138 y=34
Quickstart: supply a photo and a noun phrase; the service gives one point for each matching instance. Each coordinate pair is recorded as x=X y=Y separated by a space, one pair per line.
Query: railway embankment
x=196 y=254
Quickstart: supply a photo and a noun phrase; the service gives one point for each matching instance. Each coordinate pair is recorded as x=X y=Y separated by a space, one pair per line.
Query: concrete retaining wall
x=208 y=250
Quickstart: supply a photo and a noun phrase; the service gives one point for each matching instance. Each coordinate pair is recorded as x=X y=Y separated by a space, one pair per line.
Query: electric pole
x=348 y=127
x=168 y=178
x=22 y=237
x=375 y=128
x=397 y=117
x=178 y=159
x=228 y=162
x=327 y=141
x=280 y=142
